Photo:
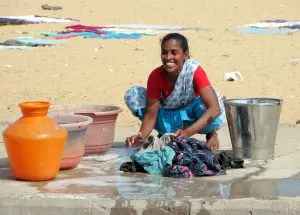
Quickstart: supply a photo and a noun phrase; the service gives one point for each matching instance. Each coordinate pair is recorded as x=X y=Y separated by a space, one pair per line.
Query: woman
x=179 y=98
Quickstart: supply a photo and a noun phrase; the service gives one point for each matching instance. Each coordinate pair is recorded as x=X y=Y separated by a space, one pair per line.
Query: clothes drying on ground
x=81 y=28
x=28 y=41
x=10 y=21
x=255 y=30
x=86 y=34
x=15 y=47
x=131 y=31
x=32 y=19
x=274 y=24
x=135 y=26
x=105 y=29
x=11 y=43
x=277 y=26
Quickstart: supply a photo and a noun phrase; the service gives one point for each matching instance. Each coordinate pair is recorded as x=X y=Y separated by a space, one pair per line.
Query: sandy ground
x=95 y=71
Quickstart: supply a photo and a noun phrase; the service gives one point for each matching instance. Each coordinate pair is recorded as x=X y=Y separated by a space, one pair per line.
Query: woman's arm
x=150 y=117
x=148 y=123
x=213 y=110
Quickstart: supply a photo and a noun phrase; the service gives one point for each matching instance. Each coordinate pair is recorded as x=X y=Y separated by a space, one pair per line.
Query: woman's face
x=172 y=56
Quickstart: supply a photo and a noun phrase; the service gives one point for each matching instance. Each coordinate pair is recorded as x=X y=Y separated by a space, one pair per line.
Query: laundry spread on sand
x=101 y=32
x=255 y=30
x=27 y=41
x=125 y=31
x=136 y=26
x=277 y=26
x=32 y=19
x=104 y=35
x=122 y=31
x=14 y=47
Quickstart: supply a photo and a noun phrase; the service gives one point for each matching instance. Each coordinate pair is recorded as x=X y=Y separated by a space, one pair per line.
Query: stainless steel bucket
x=253 y=124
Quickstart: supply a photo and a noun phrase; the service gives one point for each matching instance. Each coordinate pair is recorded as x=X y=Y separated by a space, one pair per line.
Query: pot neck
x=34 y=109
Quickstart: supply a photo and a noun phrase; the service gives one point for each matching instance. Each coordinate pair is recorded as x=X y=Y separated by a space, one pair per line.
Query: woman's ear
x=186 y=55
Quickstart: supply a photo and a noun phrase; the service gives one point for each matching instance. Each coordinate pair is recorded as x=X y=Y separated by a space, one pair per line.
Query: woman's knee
x=135 y=98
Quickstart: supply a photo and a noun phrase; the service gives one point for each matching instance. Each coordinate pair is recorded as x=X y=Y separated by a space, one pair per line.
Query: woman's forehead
x=171 y=43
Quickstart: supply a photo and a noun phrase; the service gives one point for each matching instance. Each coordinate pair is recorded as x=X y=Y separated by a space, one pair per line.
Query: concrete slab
x=97 y=187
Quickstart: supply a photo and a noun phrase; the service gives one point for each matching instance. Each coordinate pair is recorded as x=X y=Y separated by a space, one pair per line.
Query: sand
x=96 y=71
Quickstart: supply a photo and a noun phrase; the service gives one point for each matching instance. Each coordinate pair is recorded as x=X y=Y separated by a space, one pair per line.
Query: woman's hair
x=179 y=38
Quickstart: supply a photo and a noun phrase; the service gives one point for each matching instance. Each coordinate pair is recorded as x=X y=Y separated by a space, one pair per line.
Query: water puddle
x=104 y=180
x=145 y=186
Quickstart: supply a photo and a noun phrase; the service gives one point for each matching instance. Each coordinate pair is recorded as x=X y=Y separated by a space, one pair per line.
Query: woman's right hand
x=135 y=140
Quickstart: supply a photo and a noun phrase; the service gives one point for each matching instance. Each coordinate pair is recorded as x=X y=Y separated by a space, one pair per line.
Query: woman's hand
x=135 y=140
x=182 y=133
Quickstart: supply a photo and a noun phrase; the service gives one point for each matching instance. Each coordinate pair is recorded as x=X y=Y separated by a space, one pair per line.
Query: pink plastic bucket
x=76 y=125
x=101 y=132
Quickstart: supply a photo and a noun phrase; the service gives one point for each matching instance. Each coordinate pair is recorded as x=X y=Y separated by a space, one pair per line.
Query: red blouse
x=158 y=84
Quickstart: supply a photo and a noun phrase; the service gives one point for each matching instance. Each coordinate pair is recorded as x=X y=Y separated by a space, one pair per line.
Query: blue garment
x=168 y=120
x=107 y=35
x=154 y=161
x=256 y=30
x=38 y=42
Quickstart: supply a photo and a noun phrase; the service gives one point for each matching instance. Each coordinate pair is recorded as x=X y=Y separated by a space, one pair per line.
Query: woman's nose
x=169 y=55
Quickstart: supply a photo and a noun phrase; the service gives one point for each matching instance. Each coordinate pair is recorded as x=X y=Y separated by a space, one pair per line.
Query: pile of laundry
x=277 y=26
x=179 y=157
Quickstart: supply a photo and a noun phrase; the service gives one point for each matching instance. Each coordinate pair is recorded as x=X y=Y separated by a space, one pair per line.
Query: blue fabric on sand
x=154 y=161
x=35 y=41
x=255 y=30
x=168 y=120
x=108 y=35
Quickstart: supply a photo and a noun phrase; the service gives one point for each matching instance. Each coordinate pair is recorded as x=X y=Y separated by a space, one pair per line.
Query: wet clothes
x=191 y=157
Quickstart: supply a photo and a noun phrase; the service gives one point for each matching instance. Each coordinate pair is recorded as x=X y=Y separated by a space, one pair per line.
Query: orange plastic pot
x=34 y=143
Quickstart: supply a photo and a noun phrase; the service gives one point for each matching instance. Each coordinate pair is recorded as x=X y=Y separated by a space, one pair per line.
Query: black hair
x=179 y=38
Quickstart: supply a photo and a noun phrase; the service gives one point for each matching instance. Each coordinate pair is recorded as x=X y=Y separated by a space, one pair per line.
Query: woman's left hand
x=182 y=133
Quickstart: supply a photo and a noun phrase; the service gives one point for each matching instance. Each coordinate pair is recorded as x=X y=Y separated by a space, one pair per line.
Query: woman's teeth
x=170 y=64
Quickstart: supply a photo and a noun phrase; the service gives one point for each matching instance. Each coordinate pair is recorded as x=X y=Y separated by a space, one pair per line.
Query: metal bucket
x=253 y=124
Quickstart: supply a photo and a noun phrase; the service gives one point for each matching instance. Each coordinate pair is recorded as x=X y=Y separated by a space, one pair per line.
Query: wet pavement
x=266 y=180
x=105 y=181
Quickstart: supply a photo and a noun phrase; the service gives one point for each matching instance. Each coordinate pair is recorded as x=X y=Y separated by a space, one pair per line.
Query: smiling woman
x=179 y=97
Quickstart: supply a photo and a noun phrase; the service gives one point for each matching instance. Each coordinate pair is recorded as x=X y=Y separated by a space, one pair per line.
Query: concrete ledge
x=286 y=206
x=86 y=206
